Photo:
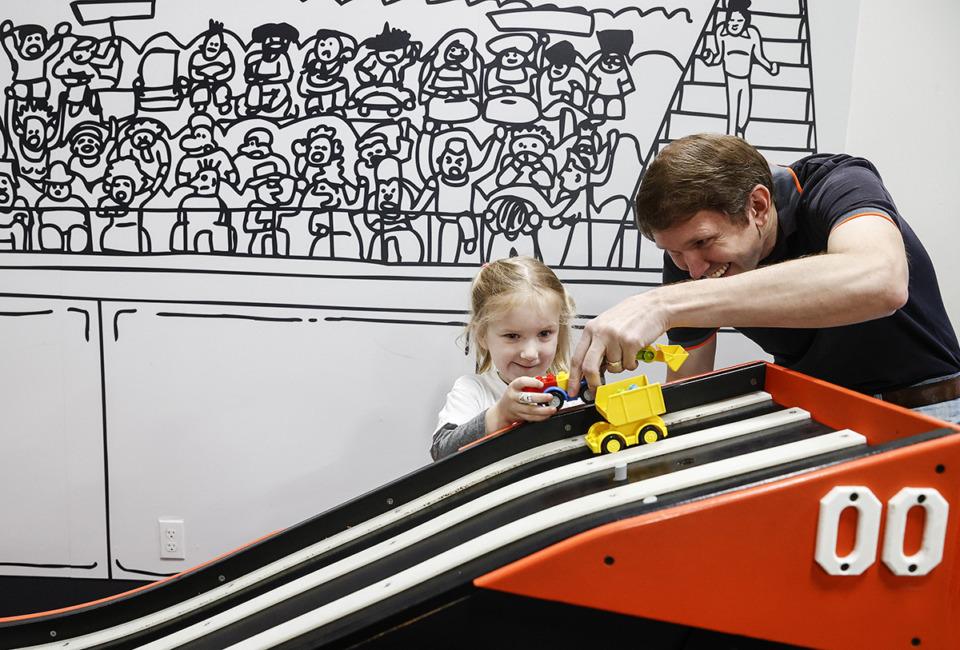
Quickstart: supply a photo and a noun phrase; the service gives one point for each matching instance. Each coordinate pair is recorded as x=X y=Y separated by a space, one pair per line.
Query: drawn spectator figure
x=509 y=82
x=273 y=188
x=64 y=217
x=319 y=152
x=588 y=166
x=737 y=44
x=529 y=160
x=201 y=149
x=256 y=150
x=144 y=140
x=322 y=81
x=381 y=73
x=389 y=218
x=388 y=139
x=35 y=126
x=30 y=51
x=80 y=70
x=450 y=81
x=609 y=76
x=16 y=222
x=203 y=220
x=210 y=70
x=124 y=231
x=87 y=143
x=268 y=71
x=563 y=88
x=448 y=195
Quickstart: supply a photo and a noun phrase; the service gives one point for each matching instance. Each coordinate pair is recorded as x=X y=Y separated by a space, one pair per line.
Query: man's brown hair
x=708 y=171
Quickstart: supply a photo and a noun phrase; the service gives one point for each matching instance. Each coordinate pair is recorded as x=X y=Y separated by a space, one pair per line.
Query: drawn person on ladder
x=737 y=44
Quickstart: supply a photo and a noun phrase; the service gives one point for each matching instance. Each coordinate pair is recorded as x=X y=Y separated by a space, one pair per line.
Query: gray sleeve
x=450 y=437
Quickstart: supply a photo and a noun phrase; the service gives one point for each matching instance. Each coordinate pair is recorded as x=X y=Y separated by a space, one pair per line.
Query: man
x=810 y=261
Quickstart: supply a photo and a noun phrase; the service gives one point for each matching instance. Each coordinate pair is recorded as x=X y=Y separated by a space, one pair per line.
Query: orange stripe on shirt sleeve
x=866 y=214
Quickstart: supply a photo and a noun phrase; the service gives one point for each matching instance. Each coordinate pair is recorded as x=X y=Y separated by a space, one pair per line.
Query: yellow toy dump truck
x=632 y=407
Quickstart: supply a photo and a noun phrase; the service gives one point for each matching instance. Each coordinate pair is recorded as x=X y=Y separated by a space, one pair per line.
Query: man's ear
x=761 y=202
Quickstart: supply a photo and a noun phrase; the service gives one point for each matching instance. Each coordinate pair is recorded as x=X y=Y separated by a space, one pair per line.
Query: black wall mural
x=379 y=143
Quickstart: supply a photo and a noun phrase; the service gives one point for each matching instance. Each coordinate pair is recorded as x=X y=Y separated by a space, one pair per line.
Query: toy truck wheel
x=612 y=444
x=586 y=395
x=651 y=433
x=556 y=399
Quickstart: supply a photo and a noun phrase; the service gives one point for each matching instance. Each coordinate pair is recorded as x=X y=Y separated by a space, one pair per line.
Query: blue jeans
x=949 y=410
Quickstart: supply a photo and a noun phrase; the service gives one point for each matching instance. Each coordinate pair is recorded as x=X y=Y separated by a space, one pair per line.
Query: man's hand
x=510 y=409
x=612 y=340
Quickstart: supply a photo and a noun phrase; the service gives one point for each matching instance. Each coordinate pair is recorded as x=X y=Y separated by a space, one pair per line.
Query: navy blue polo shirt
x=914 y=344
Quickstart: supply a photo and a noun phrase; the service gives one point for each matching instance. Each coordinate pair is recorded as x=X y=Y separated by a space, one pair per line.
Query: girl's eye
x=546 y=333
x=511 y=336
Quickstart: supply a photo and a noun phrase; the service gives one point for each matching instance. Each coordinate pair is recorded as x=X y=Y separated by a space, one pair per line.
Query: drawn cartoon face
x=200 y=140
x=8 y=191
x=58 y=191
x=511 y=58
x=33 y=45
x=572 y=179
x=319 y=151
x=388 y=194
x=323 y=194
x=34 y=134
x=453 y=165
x=206 y=182
x=212 y=45
x=373 y=153
x=390 y=57
x=528 y=147
x=455 y=54
x=143 y=137
x=736 y=22
x=611 y=62
x=86 y=146
x=328 y=49
x=274 y=46
x=81 y=55
x=558 y=70
x=121 y=190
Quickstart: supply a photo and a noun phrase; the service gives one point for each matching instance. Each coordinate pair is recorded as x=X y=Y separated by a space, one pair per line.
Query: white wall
x=904 y=117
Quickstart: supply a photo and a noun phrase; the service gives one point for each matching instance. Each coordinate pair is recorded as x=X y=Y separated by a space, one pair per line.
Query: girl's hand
x=510 y=409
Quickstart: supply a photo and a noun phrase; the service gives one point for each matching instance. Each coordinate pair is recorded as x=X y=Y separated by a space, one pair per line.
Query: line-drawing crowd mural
x=525 y=128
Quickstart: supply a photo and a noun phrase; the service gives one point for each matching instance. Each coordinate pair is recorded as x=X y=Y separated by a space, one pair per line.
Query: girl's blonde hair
x=500 y=286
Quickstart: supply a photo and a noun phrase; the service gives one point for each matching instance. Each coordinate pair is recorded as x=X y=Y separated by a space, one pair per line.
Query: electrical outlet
x=172 y=545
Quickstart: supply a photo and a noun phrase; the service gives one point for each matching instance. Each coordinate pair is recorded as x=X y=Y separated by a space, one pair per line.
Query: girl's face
x=524 y=342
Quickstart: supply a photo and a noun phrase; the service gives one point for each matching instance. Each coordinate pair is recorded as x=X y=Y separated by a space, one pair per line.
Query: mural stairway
x=781 y=122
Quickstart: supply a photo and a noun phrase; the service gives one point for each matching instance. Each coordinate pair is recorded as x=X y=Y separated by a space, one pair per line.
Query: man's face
x=708 y=245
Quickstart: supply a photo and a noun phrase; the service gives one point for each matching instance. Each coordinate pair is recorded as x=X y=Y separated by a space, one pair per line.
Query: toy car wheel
x=556 y=401
x=586 y=395
x=612 y=444
x=650 y=433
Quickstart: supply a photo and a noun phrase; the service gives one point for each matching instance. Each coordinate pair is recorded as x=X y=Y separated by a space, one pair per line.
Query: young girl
x=519 y=325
